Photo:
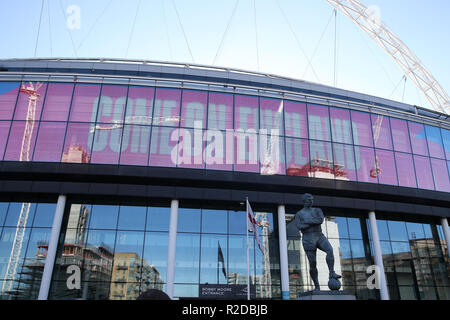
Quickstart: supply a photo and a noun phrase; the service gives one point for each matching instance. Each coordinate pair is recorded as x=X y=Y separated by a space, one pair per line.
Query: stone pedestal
x=326 y=295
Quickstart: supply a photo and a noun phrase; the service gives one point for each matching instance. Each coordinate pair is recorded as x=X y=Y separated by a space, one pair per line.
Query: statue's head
x=308 y=200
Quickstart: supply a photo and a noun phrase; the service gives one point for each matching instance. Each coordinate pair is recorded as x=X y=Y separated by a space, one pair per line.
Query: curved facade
x=131 y=144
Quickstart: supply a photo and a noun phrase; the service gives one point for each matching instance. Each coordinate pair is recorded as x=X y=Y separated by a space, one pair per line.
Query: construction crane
x=376 y=170
x=16 y=249
x=403 y=56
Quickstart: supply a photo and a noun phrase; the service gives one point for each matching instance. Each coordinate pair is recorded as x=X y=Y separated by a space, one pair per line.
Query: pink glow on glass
x=57 y=102
x=49 y=142
x=8 y=97
x=24 y=100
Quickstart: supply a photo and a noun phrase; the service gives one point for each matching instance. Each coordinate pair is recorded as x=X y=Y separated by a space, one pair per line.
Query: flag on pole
x=253 y=225
x=221 y=259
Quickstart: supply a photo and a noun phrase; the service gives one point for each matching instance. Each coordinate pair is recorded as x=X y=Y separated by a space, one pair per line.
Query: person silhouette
x=153 y=294
x=308 y=220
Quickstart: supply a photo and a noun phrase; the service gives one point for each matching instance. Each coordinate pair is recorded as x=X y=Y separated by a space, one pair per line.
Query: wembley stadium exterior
x=118 y=176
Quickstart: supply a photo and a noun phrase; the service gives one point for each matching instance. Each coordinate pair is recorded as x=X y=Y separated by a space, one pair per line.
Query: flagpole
x=248 y=257
x=218 y=261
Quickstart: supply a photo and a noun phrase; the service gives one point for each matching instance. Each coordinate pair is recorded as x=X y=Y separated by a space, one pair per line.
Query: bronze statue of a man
x=309 y=221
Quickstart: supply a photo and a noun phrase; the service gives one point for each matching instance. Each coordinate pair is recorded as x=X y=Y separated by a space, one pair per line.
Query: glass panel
x=446 y=140
x=220 y=111
x=214 y=257
x=318 y=122
x=343 y=260
x=85 y=103
x=3 y=211
x=163 y=147
x=271 y=115
x=132 y=218
x=387 y=173
x=139 y=105
x=74 y=234
x=190 y=148
x=237 y=260
x=112 y=104
x=423 y=172
x=187 y=258
x=400 y=135
x=30 y=275
x=16 y=209
x=297 y=157
x=214 y=221
x=78 y=143
x=295 y=119
x=50 y=141
x=193 y=109
x=382 y=229
x=103 y=217
x=435 y=144
x=106 y=144
x=405 y=170
x=32 y=96
x=188 y=220
x=272 y=154
x=344 y=162
x=158 y=219
x=166 y=110
x=365 y=164
x=362 y=129
x=321 y=160
x=155 y=259
x=4 y=131
x=44 y=215
x=440 y=174
x=22 y=138
x=415 y=231
x=135 y=145
x=381 y=132
x=341 y=224
x=98 y=259
x=237 y=222
x=57 y=102
x=6 y=249
x=246 y=113
x=397 y=231
x=418 y=140
x=8 y=97
x=128 y=265
x=218 y=153
x=354 y=227
x=246 y=151
x=340 y=125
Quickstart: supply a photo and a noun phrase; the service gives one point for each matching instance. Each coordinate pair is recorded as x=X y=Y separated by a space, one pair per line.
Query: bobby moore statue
x=308 y=221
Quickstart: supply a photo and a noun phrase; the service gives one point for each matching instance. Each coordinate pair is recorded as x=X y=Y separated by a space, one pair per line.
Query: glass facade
x=24 y=234
x=414 y=257
x=415 y=260
x=119 y=250
x=147 y=126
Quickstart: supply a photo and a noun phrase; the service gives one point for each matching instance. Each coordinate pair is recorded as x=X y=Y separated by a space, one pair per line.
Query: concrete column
x=446 y=232
x=378 y=256
x=172 y=247
x=285 y=295
x=52 y=248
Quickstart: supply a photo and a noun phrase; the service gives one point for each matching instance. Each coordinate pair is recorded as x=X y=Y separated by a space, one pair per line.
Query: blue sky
x=106 y=30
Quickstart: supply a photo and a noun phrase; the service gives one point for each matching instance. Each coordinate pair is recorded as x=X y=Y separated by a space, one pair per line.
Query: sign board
x=225 y=291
